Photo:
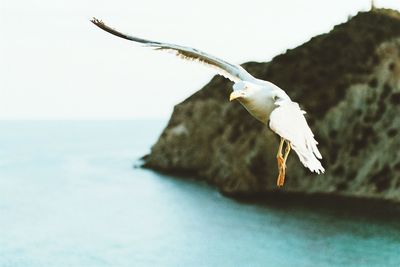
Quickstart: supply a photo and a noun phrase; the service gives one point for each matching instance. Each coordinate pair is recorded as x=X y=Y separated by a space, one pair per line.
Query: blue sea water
x=69 y=196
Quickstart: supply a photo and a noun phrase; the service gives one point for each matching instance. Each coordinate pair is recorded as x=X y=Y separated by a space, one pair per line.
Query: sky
x=55 y=64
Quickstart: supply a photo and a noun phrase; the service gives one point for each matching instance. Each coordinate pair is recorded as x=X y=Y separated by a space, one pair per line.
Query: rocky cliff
x=347 y=80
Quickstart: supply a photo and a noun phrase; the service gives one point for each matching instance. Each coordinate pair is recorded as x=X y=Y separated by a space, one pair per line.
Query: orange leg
x=281 y=168
x=282 y=162
x=287 y=150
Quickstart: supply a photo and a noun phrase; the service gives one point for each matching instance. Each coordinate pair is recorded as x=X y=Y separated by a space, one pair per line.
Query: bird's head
x=240 y=91
x=239 y=94
x=245 y=91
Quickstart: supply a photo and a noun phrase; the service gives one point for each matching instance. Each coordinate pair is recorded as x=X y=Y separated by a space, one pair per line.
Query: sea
x=71 y=194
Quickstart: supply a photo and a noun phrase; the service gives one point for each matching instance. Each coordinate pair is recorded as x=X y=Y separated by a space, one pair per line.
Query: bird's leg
x=281 y=178
x=281 y=164
x=287 y=151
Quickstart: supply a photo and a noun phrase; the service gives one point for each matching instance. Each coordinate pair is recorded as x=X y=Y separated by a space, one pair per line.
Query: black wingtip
x=99 y=23
x=96 y=21
x=103 y=26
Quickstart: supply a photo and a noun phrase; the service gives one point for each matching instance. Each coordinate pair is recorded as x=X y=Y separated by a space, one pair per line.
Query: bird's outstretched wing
x=287 y=120
x=233 y=72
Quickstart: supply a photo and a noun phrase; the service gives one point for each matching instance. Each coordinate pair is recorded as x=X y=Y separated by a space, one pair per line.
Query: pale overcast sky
x=56 y=65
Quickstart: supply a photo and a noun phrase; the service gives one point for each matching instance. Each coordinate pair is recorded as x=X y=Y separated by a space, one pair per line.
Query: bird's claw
x=282 y=170
x=281 y=178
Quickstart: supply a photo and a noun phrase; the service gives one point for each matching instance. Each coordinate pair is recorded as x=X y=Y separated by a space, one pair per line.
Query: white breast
x=259 y=103
x=259 y=109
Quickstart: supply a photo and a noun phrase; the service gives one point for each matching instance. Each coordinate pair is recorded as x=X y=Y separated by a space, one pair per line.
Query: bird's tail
x=309 y=158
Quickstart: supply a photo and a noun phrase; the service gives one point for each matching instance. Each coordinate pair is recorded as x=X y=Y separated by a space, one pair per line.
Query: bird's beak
x=235 y=94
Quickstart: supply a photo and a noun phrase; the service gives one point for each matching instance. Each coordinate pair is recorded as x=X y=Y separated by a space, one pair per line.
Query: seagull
x=264 y=100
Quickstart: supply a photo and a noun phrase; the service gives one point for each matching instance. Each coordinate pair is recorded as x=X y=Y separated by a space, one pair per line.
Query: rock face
x=348 y=81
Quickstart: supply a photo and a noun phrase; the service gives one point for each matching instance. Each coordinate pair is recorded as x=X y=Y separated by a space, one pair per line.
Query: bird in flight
x=264 y=100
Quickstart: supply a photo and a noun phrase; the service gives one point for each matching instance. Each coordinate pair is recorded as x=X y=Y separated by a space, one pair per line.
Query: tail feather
x=309 y=160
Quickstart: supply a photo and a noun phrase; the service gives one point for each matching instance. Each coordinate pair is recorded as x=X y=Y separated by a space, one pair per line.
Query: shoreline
x=350 y=205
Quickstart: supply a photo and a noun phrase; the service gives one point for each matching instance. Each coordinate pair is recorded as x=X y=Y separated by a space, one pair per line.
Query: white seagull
x=262 y=99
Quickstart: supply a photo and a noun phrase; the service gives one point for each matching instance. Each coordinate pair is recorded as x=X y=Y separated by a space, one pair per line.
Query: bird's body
x=262 y=99
x=269 y=103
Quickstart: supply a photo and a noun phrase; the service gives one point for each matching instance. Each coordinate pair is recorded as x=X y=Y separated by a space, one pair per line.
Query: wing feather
x=233 y=72
x=288 y=121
